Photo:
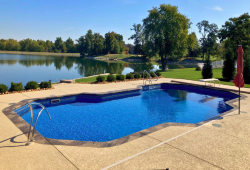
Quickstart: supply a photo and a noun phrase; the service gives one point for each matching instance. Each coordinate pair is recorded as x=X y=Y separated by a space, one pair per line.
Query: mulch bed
x=12 y=92
x=117 y=81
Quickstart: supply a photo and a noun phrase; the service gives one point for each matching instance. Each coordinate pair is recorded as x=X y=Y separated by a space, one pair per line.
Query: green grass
x=88 y=79
x=191 y=74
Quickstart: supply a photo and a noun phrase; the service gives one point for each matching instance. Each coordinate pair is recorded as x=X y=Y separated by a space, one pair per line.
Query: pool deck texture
x=218 y=144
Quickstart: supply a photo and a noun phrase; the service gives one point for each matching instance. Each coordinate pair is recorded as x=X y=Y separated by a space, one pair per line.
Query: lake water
x=24 y=68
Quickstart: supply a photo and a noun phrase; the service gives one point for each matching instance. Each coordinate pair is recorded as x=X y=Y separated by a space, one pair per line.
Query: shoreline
x=40 y=53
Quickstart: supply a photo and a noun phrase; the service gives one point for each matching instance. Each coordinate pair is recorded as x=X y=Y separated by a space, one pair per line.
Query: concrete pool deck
x=219 y=144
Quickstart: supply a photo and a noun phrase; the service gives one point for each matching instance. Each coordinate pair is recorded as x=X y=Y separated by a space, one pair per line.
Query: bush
x=16 y=86
x=152 y=74
x=198 y=68
x=100 y=78
x=207 y=70
x=145 y=75
x=137 y=76
x=129 y=76
x=120 y=77
x=31 y=85
x=111 y=78
x=3 y=88
x=246 y=67
x=228 y=71
x=45 y=84
x=158 y=74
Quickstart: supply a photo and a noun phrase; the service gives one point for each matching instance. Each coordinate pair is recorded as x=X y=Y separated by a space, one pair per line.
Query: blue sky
x=48 y=19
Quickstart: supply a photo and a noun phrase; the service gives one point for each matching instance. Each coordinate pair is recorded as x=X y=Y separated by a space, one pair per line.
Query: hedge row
x=29 y=85
x=121 y=77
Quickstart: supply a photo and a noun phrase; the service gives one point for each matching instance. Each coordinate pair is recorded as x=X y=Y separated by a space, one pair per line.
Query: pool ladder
x=31 y=119
x=149 y=80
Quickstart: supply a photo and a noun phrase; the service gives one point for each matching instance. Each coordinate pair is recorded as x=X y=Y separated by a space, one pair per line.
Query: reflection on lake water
x=24 y=68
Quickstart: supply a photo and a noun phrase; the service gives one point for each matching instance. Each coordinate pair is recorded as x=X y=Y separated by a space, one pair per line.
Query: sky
x=48 y=19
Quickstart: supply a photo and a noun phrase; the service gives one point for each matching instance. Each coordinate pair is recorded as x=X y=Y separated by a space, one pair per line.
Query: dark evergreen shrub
x=137 y=76
x=145 y=75
x=100 y=78
x=228 y=71
x=129 y=76
x=198 y=68
x=158 y=73
x=3 y=88
x=246 y=67
x=152 y=74
x=16 y=86
x=207 y=70
x=31 y=85
x=120 y=77
x=45 y=84
x=111 y=78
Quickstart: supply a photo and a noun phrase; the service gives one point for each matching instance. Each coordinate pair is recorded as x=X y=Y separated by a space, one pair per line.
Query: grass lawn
x=191 y=74
x=88 y=80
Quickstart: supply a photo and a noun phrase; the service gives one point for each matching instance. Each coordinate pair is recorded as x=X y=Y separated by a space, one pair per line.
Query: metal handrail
x=147 y=80
x=31 y=119
x=155 y=75
x=149 y=77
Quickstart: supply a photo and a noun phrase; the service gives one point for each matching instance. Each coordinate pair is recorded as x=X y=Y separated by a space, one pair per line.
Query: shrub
x=45 y=84
x=120 y=77
x=137 y=76
x=246 y=67
x=152 y=74
x=228 y=71
x=207 y=70
x=145 y=75
x=100 y=78
x=31 y=85
x=129 y=76
x=3 y=88
x=111 y=78
x=16 y=86
x=198 y=68
x=158 y=74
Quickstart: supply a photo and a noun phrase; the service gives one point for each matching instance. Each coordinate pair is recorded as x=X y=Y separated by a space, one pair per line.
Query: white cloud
x=216 y=8
x=69 y=28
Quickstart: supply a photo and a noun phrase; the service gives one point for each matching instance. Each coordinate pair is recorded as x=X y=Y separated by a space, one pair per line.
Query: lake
x=24 y=68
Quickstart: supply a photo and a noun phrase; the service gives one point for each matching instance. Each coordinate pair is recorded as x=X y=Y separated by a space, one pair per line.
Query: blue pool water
x=101 y=119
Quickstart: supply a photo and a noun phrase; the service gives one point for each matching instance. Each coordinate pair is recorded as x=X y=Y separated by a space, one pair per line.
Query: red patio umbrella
x=239 y=80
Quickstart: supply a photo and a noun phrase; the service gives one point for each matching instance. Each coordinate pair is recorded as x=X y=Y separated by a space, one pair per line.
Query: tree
x=237 y=31
x=98 y=44
x=70 y=45
x=192 y=44
x=246 y=67
x=207 y=69
x=208 y=33
x=137 y=37
x=60 y=45
x=228 y=70
x=167 y=29
x=81 y=45
x=12 y=45
x=89 y=43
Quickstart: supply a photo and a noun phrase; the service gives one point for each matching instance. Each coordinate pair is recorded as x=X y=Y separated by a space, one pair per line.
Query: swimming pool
x=102 y=118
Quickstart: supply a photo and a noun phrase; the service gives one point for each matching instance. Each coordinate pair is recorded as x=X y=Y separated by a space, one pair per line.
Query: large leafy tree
x=167 y=29
x=137 y=37
x=237 y=32
x=192 y=44
x=81 y=45
x=208 y=36
x=98 y=44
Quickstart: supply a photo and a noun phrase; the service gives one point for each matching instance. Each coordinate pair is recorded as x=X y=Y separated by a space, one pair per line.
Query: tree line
x=90 y=44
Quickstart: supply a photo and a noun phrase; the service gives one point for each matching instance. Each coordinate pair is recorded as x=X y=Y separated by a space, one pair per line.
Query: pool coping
x=24 y=126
